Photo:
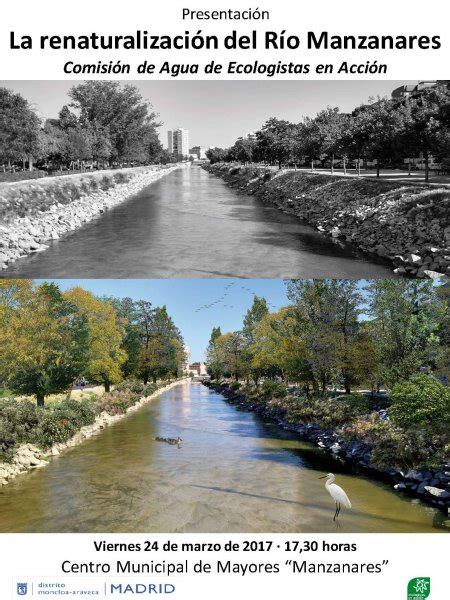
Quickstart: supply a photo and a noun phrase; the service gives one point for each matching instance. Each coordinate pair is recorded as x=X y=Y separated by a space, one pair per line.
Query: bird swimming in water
x=172 y=441
x=337 y=493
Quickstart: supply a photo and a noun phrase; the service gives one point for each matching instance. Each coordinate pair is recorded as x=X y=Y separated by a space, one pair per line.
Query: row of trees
x=105 y=123
x=336 y=334
x=50 y=338
x=385 y=130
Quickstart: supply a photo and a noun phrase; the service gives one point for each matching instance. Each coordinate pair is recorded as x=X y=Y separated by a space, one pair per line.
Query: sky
x=216 y=113
x=183 y=296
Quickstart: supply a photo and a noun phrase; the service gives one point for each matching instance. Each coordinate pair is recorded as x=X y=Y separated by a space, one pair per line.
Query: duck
x=172 y=441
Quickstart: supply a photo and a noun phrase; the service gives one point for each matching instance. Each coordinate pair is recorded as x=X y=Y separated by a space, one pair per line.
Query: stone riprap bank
x=30 y=456
x=406 y=224
x=430 y=485
x=35 y=212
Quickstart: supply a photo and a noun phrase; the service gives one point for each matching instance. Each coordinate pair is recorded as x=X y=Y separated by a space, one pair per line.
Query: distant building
x=199 y=368
x=185 y=365
x=405 y=91
x=198 y=152
x=178 y=141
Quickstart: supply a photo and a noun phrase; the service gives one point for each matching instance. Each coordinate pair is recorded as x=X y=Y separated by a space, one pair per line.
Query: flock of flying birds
x=220 y=301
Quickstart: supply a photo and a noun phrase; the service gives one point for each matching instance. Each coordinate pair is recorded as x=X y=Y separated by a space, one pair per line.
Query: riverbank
x=430 y=485
x=408 y=225
x=34 y=213
x=30 y=456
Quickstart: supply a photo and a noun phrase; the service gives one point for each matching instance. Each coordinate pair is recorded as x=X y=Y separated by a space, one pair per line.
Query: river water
x=232 y=473
x=191 y=224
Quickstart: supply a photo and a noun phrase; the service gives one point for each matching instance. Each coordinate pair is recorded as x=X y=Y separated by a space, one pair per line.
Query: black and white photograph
x=188 y=179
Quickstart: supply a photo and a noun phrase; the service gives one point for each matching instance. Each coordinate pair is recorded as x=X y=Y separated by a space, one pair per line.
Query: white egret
x=337 y=493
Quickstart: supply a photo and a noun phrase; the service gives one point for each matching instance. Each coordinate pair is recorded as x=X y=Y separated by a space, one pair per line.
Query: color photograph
x=310 y=406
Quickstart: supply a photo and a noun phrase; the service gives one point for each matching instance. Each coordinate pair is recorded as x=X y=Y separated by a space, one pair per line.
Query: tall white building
x=178 y=141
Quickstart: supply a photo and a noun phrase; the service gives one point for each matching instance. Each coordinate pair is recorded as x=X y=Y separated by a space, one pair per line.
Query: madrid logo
x=22 y=589
x=419 y=588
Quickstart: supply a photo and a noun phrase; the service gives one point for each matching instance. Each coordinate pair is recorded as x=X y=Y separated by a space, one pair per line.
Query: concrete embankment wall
x=37 y=211
x=29 y=456
x=406 y=224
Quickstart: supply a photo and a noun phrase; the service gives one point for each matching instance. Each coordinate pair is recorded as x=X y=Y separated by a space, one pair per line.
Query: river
x=191 y=224
x=232 y=473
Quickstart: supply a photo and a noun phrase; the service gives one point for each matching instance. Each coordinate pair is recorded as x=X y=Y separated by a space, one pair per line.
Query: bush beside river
x=354 y=429
x=29 y=434
x=35 y=212
x=406 y=224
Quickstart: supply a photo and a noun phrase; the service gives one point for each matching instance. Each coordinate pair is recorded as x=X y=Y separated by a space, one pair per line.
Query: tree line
x=105 y=123
x=336 y=334
x=51 y=338
x=384 y=130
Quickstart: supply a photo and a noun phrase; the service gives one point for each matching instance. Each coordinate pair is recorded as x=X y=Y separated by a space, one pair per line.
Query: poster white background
x=34 y=557
x=37 y=558
x=348 y=17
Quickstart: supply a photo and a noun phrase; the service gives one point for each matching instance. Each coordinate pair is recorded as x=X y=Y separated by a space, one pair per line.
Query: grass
x=29 y=198
x=21 y=175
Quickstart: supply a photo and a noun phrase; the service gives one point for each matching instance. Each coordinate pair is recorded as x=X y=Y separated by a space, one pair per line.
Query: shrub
x=52 y=429
x=78 y=412
x=117 y=402
x=273 y=389
x=414 y=449
x=420 y=401
x=359 y=403
x=333 y=412
x=234 y=385
x=7 y=439
x=22 y=418
x=137 y=387
x=303 y=410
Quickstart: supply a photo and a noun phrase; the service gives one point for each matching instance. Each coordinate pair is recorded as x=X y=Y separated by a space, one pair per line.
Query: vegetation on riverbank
x=105 y=123
x=34 y=213
x=406 y=224
x=22 y=422
x=27 y=200
x=334 y=336
x=387 y=131
x=49 y=339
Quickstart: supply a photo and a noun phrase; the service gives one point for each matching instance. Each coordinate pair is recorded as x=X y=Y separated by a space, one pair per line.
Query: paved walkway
x=388 y=175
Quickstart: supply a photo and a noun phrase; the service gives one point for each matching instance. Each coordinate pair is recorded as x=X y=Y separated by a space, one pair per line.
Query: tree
x=161 y=348
x=105 y=355
x=226 y=356
x=213 y=360
x=427 y=124
x=123 y=113
x=19 y=129
x=253 y=317
x=243 y=150
x=331 y=125
x=275 y=141
x=277 y=348
x=404 y=326
x=420 y=402
x=13 y=293
x=127 y=312
x=327 y=314
x=77 y=144
x=215 y=155
x=43 y=347
x=386 y=125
